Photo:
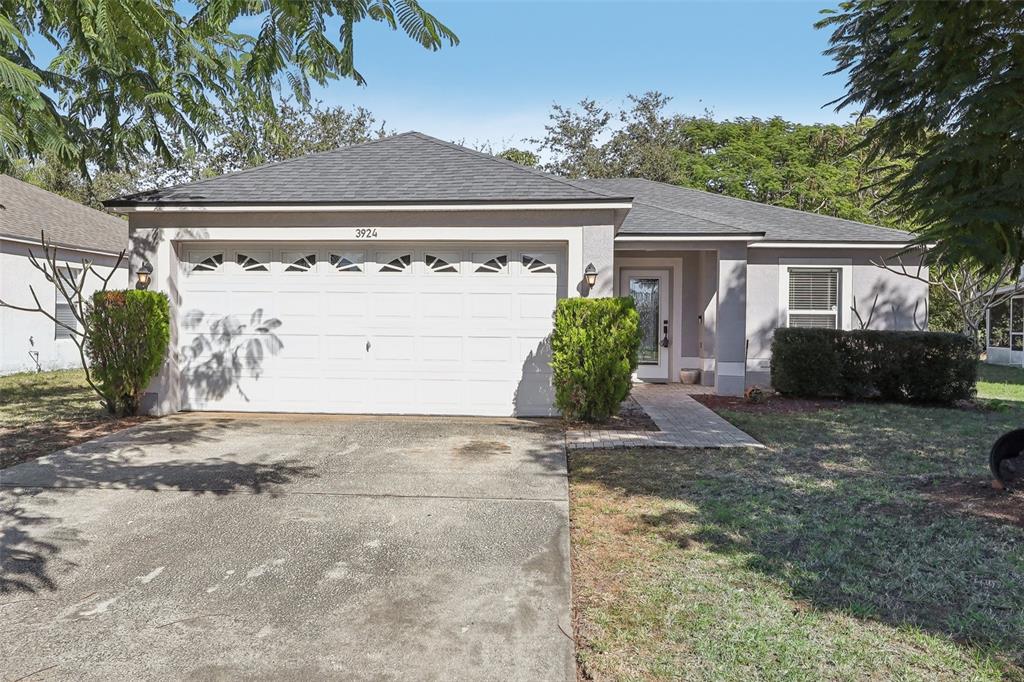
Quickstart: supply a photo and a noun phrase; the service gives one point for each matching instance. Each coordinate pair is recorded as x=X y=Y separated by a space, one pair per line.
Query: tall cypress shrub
x=126 y=343
x=594 y=350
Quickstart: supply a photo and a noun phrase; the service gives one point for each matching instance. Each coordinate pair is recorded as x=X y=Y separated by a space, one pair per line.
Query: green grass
x=996 y=382
x=48 y=411
x=863 y=544
x=31 y=398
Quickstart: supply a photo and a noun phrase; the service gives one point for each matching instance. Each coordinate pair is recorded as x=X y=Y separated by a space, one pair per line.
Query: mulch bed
x=977 y=498
x=26 y=443
x=772 y=404
x=631 y=417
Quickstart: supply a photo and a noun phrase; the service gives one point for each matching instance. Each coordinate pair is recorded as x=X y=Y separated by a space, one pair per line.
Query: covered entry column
x=731 y=336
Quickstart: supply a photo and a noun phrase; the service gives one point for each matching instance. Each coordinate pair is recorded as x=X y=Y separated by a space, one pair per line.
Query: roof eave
x=127 y=206
x=827 y=244
x=67 y=246
x=693 y=234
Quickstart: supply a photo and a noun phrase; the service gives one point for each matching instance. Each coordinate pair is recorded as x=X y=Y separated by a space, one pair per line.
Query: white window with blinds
x=814 y=298
x=62 y=309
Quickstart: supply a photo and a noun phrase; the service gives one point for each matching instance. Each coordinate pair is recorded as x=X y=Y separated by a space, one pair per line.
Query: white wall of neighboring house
x=27 y=339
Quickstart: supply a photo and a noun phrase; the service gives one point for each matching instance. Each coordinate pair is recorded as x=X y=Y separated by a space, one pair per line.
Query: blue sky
x=517 y=57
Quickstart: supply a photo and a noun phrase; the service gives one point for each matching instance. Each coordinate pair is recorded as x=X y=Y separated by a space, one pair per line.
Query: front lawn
x=863 y=544
x=996 y=382
x=47 y=411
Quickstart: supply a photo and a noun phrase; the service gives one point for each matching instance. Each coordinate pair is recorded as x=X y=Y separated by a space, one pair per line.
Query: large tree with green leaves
x=289 y=131
x=946 y=81
x=132 y=77
x=810 y=167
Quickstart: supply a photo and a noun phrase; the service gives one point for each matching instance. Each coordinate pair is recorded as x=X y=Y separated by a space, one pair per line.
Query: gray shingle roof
x=694 y=211
x=407 y=168
x=27 y=210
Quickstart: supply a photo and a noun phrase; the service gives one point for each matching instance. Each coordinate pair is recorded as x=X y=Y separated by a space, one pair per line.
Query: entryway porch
x=692 y=300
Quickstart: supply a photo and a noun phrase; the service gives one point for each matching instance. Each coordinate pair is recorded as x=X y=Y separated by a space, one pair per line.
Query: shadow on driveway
x=24 y=557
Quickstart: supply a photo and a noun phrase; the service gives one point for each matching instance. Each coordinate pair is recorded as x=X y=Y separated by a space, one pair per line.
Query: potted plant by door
x=689 y=376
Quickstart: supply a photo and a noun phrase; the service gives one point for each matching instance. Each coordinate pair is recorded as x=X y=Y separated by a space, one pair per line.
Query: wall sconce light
x=590 y=275
x=145 y=276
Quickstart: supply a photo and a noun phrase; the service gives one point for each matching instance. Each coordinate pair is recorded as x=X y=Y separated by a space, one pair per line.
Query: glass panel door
x=647 y=296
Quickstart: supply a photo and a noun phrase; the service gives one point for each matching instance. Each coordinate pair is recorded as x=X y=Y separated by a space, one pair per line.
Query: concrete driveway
x=219 y=547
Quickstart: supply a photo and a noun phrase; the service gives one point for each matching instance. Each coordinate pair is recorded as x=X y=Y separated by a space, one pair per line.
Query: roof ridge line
x=759 y=203
x=661 y=207
x=513 y=164
x=691 y=215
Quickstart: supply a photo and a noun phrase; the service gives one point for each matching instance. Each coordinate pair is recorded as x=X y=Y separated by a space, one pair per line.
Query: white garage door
x=357 y=328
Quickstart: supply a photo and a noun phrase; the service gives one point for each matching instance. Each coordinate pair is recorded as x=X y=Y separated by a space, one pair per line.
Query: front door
x=649 y=290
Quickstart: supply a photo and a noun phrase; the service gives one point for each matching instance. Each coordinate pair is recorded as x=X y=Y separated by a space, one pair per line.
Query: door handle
x=367 y=345
x=664 y=333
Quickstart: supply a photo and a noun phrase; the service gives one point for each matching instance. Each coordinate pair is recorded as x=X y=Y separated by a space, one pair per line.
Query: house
x=410 y=275
x=30 y=341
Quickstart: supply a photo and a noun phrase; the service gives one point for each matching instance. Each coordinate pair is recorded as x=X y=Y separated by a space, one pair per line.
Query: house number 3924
x=366 y=233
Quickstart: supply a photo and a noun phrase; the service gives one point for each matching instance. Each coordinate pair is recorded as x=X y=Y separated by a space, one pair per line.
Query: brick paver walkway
x=683 y=423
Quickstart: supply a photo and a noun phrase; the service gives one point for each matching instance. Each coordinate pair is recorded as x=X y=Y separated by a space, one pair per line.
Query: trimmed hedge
x=594 y=350
x=916 y=367
x=126 y=341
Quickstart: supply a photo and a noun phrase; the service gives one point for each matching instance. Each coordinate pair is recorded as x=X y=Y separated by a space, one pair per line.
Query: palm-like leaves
x=947 y=79
x=135 y=76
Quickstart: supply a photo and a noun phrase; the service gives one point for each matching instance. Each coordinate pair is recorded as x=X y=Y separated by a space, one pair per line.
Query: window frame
x=59 y=332
x=832 y=314
x=844 y=298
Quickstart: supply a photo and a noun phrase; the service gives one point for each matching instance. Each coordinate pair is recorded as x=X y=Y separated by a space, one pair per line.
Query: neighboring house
x=410 y=275
x=30 y=341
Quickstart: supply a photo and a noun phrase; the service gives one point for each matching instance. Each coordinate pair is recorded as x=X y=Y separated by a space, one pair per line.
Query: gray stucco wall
x=598 y=249
x=884 y=299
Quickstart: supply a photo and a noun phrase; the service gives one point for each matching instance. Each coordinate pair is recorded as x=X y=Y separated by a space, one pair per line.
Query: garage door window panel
x=489 y=264
x=395 y=264
x=299 y=262
x=205 y=262
x=538 y=264
x=254 y=261
x=347 y=262
x=442 y=264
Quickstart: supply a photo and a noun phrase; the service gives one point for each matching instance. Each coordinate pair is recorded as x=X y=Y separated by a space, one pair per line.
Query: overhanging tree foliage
x=291 y=130
x=809 y=167
x=946 y=80
x=132 y=76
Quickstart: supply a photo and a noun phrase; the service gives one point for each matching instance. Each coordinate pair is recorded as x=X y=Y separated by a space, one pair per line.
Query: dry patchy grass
x=48 y=411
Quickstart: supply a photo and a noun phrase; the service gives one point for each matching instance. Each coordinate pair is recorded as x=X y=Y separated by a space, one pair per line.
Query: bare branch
x=113 y=270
